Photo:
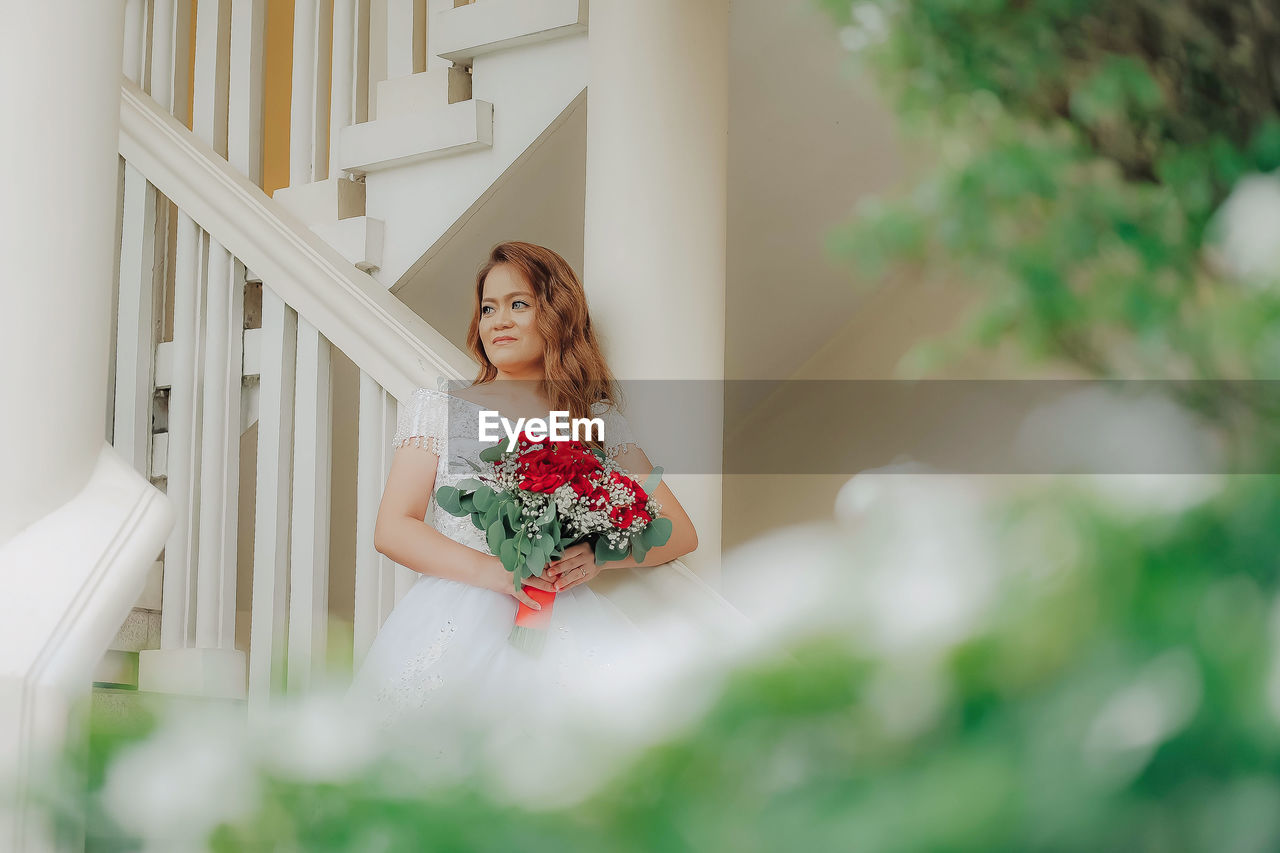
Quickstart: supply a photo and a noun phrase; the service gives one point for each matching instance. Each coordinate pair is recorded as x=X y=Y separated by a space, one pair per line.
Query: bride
x=444 y=646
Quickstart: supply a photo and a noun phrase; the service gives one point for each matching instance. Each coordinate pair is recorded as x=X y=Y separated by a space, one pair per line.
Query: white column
x=79 y=528
x=57 y=223
x=654 y=267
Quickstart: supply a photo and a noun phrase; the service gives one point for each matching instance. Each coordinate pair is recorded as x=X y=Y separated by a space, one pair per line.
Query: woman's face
x=508 y=321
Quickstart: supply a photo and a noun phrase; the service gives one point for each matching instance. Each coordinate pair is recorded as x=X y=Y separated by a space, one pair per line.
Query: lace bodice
x=448 y=426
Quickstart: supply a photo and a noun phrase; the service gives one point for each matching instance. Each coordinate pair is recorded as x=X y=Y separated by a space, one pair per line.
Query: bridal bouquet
x=541 y=497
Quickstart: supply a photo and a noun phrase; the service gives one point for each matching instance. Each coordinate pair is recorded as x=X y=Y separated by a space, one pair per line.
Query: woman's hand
x=500 y=581
x=577 y=565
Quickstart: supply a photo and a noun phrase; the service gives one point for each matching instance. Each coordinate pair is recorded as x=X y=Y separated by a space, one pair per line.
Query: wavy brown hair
x=575 y=374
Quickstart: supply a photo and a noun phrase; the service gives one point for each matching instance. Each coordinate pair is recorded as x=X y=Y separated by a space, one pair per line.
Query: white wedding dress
x=443 y=649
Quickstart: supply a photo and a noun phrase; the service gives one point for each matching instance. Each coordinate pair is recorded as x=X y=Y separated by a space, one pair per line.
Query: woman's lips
x=505 y=339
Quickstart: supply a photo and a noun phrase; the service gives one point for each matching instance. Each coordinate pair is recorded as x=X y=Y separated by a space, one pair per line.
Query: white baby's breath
x=1247 y=227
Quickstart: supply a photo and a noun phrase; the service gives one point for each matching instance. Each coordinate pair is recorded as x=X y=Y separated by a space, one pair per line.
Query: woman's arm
x=401 y=534
x=684 y=539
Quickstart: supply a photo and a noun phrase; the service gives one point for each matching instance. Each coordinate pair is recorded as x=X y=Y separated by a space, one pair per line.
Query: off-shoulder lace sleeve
x=618 y=437
x=423 y=421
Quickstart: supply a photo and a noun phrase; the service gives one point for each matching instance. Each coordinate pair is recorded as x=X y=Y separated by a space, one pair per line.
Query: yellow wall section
x=278 y=74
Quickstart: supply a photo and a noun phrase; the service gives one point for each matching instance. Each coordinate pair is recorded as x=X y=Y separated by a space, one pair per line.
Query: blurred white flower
x=1142 y=453
x=1248 y=228
x=908 y=698
x=191 y=775
x=315 y=737
x=1137 y=719
x=777 y=578
x=871 y=19
x=907 y=571
x=859 y=494
x=869 y=26
x=925 y=563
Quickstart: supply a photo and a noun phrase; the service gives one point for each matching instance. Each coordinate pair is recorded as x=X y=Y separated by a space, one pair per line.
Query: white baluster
x=135 y=323
x=435 y=7
x=162 y=14
x=361 y=26
x=308 y=115
x=220 y=449
x=177 y=627
x=213 y=54
x=244 y=97
x=309 y=546
x=406 y=37
x=404 y=579
x=342 y=106
x=271 y=520
x=169 y=51
x=135 y=32
x=170 y=41
x=375 y=573
x=215 y=604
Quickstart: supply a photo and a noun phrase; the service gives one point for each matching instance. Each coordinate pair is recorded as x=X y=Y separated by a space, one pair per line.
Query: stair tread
x=465 y=32
x=445 y=131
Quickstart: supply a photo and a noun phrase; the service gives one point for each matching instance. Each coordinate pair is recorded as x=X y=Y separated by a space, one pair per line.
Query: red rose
x=551 y=466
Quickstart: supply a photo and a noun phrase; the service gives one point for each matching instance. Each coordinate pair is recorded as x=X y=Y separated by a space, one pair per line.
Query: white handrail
x=380 y=334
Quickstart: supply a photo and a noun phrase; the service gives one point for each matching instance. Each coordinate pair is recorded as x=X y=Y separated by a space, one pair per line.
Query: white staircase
x=500 y=75
x=233 y=306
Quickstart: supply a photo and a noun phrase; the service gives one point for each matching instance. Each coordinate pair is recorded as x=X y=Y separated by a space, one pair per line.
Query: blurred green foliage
x=1123 y=698
x=1083 y=148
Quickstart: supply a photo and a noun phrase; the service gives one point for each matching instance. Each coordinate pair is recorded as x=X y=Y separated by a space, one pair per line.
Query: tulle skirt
x=619 y=666
x=444 y=648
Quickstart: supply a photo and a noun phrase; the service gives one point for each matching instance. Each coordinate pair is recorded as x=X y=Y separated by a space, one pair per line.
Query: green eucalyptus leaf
x=490 y=515
x=494 y=453
x=497 y=534
x=651 y=482
x=605 y=554
x=483 y=497
x=509 y=556
x=448 y=499
x=659 y=531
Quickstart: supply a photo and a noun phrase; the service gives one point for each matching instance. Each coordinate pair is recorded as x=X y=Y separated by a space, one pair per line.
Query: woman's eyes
x=488 y=309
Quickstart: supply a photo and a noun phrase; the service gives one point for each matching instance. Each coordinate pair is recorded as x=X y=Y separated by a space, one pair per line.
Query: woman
x=444 y=646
